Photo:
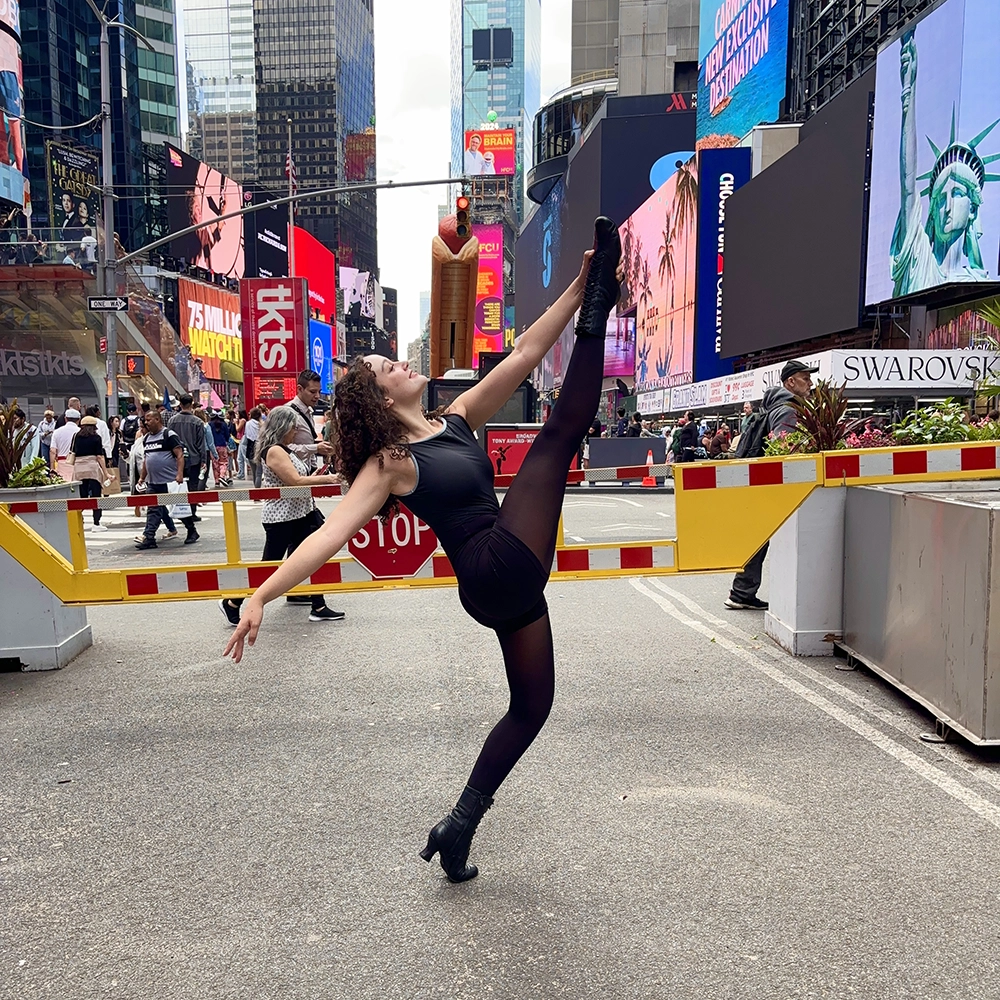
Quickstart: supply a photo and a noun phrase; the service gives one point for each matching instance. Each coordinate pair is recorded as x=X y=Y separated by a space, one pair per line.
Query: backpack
x=130 y=427
x=753 y=438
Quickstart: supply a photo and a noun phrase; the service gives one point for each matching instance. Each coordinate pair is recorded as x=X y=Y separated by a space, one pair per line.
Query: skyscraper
x=510 y=88
x=218 y=41
x=161 y=72
x=650 y=46
x=315 y=65
x=62 y=88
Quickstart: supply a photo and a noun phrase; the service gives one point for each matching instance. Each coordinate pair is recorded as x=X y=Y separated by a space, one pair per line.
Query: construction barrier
x=725 y=511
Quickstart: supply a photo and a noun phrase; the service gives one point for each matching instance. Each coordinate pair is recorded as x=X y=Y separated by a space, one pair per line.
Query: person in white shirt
x=45 y=429
x=250 y=434
x=104 y=432
x=474 y=160
x=61 y=444
x=305 y=443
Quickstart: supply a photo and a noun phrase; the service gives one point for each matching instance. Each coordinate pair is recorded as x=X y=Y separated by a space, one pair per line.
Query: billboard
x=721 y=172
x=742 y=67
x=359 y=157
x=507 y=447
x=318 y=266
x=489 y=292
x=74 y=174
x=362 y=294
x=658 y=255
x=935 y=214
x=14 y=186
x=321 y=353
x=275 y=325
x=491 y=151
x=199 y=193
x=265 y=237
x=210 y=328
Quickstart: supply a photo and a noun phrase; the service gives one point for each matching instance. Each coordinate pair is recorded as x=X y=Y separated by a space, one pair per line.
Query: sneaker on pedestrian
x=325 y=615
x=298 y=599
x=147 y=543
x=192 y=537
x=171 y=534
x=745 y=603
x=99 y=527
x=232 y=614
x=195 y=518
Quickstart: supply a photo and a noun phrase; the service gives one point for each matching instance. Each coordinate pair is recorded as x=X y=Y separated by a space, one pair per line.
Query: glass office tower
x=222 y=100
x=62 y=87
x=513 y=91
x=315 y=64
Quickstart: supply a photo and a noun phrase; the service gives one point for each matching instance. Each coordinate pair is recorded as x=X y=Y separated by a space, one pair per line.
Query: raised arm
x=479 y=403
x=369 y=491
x=907 y=132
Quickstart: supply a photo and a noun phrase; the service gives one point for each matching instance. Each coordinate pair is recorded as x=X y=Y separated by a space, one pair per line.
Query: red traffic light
x=463 y=229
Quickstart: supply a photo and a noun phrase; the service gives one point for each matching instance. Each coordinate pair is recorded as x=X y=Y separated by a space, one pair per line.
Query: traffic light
x=136 y=364
x=463 y=227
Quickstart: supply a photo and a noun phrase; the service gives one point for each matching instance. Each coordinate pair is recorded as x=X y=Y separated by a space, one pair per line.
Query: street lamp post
x=108 y=264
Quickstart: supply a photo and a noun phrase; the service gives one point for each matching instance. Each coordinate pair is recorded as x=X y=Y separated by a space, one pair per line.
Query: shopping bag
x=114 y=483
x=178 y=510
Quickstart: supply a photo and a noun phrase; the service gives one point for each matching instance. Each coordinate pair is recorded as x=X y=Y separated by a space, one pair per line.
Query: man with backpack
x=129 y=432
x=191 y=432
x=776 y=416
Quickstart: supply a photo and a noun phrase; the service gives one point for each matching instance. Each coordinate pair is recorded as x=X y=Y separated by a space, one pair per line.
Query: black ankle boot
x=452 y=837
x=600 y=294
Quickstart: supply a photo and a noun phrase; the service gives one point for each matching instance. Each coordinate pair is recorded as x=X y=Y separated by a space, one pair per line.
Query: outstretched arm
x=363 y=501
x=479 y=403
x=908 y=128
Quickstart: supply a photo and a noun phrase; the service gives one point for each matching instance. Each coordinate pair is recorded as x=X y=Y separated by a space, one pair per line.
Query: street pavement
x=703 y=816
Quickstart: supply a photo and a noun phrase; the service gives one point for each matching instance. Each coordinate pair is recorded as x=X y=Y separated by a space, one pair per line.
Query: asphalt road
x=703 y=816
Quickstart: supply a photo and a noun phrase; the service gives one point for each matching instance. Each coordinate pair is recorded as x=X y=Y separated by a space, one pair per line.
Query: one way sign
x=110 y=305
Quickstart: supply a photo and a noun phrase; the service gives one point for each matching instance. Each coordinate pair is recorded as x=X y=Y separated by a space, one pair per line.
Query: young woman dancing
x=390 y=450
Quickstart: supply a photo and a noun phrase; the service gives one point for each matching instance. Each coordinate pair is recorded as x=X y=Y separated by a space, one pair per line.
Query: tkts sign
x=275 y=322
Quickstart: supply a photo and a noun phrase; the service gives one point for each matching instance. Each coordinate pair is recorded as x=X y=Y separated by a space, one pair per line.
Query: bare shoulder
x=392 y=467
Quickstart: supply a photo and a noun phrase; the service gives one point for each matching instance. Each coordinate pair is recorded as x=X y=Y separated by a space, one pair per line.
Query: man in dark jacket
x=191 y=430
x=796 y=381
x=689 y=438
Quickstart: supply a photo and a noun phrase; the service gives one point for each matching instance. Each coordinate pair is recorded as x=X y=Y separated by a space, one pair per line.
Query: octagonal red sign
x=397 y=549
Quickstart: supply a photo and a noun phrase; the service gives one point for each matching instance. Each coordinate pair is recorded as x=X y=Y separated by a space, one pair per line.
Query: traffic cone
x=648 y=479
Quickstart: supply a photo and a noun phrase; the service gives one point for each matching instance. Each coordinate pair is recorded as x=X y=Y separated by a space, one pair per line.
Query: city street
x=703 y=815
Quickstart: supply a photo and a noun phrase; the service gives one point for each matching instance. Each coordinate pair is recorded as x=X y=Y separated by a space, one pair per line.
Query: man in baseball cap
x=796 y=383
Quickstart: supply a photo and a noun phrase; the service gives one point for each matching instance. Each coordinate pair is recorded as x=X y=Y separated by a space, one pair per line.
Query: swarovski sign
x=875 y=373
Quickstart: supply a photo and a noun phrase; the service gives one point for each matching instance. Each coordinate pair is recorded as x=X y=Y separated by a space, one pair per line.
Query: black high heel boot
x=600 y=293
x=452 y=837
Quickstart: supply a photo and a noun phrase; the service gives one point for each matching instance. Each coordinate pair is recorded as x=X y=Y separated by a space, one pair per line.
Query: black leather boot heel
x=452 y=837
x=600 y=293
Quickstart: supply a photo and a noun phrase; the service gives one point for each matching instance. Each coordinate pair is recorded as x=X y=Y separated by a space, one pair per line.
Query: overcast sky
x=412 y=95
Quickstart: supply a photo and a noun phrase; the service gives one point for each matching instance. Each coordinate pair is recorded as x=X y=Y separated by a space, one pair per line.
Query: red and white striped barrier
x=119 y=501
x=759 y=472
x=214 y=580
x=881 y=465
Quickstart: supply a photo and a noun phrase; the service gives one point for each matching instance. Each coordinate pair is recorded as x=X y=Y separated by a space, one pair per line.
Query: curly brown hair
x=364 y=426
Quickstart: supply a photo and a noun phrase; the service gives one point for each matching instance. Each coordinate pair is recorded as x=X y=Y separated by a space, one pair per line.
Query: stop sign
x=399 y=548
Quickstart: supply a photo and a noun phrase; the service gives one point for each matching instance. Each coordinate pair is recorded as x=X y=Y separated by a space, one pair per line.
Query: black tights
x=531 y=511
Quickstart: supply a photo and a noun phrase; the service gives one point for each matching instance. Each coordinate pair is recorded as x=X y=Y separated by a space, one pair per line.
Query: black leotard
x=500 y=580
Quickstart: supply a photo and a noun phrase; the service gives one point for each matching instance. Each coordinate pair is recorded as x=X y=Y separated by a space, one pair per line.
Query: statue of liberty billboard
x=946 y=229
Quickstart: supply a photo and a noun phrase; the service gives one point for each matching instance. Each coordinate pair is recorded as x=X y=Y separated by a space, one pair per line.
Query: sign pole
x=291 y=205
x=109 y=282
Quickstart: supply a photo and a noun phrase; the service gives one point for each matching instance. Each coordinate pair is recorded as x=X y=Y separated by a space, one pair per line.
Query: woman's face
x=289 y=437
x=83 y=211
x=396 y=379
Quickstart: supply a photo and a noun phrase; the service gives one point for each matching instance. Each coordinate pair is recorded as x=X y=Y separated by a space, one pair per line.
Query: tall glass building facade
x=222 y=98
x=62 y=87
x=513 y=92
x=315 y=65
x=161 y=78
